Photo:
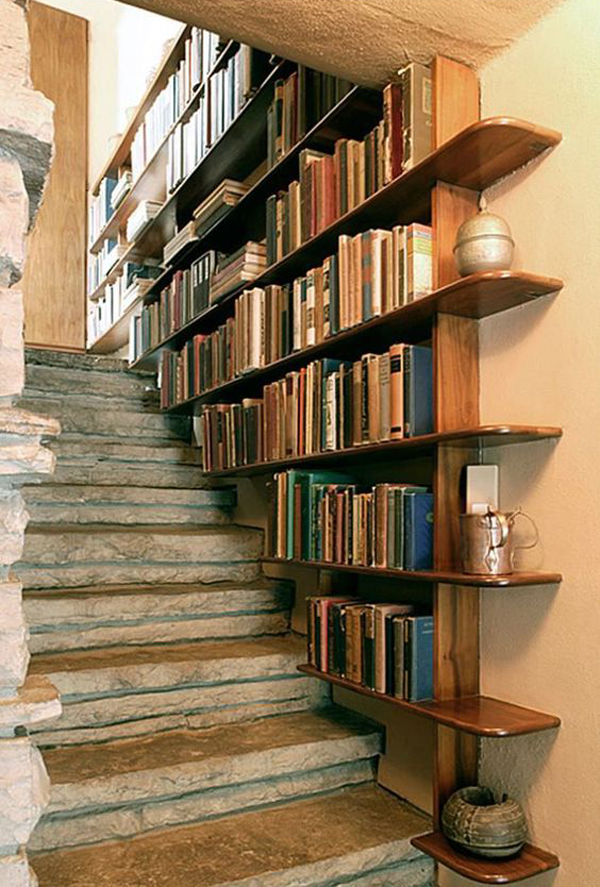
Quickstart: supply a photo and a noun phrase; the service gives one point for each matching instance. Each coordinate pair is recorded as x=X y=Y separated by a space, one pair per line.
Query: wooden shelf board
x=484 y=435
x=478 y=295
x=117 y=335
x=479 y=715
x=528 y=862
x=447 y=577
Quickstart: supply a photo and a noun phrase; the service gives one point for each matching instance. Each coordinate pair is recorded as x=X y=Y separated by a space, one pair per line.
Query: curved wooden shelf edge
x=479 y=715
x=528 y=862
x=445 y=577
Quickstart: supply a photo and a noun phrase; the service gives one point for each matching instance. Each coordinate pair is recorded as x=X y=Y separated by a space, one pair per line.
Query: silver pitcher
x=487 y=544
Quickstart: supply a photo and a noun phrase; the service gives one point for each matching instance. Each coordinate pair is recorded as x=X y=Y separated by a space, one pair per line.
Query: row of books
x=298 y=103
x=100 y=208
x=191 y=290
x=326 y=406
x=332 y=184
x=387 y=648
x=200 y=53
x=328 y=516
x=186 y=296
x=226 y=92
x=117 y=298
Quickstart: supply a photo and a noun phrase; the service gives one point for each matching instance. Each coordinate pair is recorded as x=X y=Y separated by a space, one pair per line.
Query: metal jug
x=487 y=544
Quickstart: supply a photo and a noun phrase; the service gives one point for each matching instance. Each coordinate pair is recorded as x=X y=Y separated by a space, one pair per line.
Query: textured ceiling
x=366 y=40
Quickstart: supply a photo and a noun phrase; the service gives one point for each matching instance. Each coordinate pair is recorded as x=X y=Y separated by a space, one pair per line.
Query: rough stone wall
x=26 y=132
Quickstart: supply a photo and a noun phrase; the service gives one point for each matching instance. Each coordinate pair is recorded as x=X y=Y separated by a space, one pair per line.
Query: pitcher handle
x=536 y=534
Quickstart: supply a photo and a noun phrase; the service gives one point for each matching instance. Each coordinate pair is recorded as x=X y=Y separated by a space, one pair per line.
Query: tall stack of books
x=218 y=204
x=327 y=516
x=142 y=215
x=238 y=267
x=387 y=648
x=179 y=242
x=326 y=406
x=299 y=102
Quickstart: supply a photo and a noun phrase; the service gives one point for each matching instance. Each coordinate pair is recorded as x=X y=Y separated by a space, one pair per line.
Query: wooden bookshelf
x=478 y=295
x=528 y=862
x=468 y=156
x=478 y=715
x=448 y=577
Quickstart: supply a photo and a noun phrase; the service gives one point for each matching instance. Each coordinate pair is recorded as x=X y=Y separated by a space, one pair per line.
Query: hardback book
x=418 y=530
x=418 y=658
x=416 y=89
x=384 y=644
x=417 y=390
x=218 y=203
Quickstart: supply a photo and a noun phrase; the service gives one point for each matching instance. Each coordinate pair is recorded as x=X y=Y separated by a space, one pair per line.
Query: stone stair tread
x=91 y=761
x=72 y=360
x=172 y=589
x=146 y=529
x=293 y=843
x=150 y=654
x=122 y=493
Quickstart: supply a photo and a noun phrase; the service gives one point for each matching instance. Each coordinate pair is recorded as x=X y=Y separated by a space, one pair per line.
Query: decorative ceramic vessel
x=473 y=820
x=483 y=243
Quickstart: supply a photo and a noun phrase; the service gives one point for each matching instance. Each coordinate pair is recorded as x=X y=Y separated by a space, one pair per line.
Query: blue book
x=309 y=482
x=418 y=390
x=418 y=530
x=418 y=658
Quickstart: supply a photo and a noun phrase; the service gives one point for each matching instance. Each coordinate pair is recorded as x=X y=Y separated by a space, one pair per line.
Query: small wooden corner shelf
x=478 y=715
x=407 y=448
x=529 y=862
x=447 y=577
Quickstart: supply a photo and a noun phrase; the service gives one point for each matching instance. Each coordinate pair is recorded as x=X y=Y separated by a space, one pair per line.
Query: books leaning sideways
x=122 y=188
x=140 y=217
x=179 y=242
x=387 y=648
x=243 y=265
x=328 y=516
x=218 y=204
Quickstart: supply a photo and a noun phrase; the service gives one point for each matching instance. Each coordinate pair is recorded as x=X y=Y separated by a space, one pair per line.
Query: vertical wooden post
x=456 y=405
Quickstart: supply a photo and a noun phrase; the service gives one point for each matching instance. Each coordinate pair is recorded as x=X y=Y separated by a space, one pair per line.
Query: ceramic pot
x=472 y=819
x=483 y=243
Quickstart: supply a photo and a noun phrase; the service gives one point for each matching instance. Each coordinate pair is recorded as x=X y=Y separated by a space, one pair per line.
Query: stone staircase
x=190 y=749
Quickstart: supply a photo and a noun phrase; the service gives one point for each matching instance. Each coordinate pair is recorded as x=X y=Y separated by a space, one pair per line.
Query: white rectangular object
x=482 y=488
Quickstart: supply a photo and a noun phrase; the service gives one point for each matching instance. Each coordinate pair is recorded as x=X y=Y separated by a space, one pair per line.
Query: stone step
x=41 y=380
x=70 y=360
x=106 y=504
x=358 y=836
x=98 y=470
x=115 y=790
x=124 y=449
x=102 y=616
x=61 y=556
x=105 y=418
x=132 y=691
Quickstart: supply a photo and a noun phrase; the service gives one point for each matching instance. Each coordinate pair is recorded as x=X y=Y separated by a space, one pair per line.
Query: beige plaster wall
x=541 y=364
